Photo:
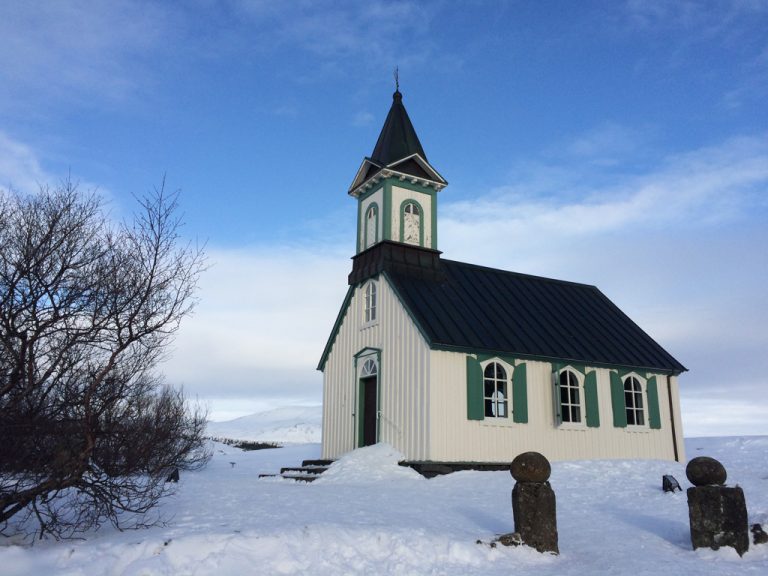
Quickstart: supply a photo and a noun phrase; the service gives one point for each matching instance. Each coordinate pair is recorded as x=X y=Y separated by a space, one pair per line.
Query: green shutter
x=475 y=409
x=654 y=418
x=520 y=394
x=556 y=398
x=617 y=399
x=590 y=400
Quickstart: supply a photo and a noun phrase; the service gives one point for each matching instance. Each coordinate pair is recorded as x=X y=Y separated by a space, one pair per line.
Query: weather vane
x=397 y=79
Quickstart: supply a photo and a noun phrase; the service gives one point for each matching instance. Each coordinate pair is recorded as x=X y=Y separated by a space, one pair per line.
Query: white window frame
x=579 y=377
x=370 y=303
x=642 y=395
x=507 y=399
x=416 y=215
x=371 y=220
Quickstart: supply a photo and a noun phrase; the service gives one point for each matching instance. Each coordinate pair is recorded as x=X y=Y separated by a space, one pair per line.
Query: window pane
x=502 y=406
x=563 y=395
x=489 y=388
x=489 y=370
x=488 y=407
x=576 y=413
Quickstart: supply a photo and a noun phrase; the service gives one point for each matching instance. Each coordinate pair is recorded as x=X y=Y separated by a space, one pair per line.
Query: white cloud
x=261 y=325
x=77 y=51
x=20 y=167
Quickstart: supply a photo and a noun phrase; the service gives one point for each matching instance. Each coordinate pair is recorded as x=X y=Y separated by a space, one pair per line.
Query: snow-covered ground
x=369 y=516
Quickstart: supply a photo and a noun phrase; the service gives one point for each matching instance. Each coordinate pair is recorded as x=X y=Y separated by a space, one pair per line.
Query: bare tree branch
x=87 y=308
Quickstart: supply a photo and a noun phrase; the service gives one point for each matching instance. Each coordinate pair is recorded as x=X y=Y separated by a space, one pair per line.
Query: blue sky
x=621 y=144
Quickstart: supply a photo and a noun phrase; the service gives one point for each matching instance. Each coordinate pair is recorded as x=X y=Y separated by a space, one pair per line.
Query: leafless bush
x=88 y=432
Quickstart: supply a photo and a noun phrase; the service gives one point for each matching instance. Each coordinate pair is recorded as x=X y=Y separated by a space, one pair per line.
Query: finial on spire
x=397 y=79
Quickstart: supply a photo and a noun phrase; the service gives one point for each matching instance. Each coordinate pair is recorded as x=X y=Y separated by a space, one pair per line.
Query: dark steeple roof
x=397 y=150
x=398 y=138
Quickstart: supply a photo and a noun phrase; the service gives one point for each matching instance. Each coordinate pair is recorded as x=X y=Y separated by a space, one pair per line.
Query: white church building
x=458 y=365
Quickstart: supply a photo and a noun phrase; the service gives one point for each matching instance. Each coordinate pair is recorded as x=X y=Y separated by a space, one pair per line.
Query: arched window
x=370 y=302
x=371 y=225
x=496 y=391
x=369 y=368
x=411 y=223
x=633 y=401
x=570 y=397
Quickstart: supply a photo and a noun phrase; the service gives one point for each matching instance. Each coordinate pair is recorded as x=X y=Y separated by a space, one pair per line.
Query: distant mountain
x=289 y=425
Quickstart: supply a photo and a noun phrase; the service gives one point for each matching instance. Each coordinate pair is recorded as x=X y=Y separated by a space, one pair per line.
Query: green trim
x=367 y=351
x=335 y=329
x=590 y=400
x=550 y=359
x=433 y=217
x=361 y=394
x=617 y=401
x=652 y=393
x=359 y=245
x=520 y=394
x=624 y=372
x=395 y=180
x=402 y=220
x=475 y=396
x=387 y=211
x=558 y=366
x=558 y=405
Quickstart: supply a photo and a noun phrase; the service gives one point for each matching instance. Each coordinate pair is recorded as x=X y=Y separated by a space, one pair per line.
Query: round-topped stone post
x=533 y=502
x=718 y=514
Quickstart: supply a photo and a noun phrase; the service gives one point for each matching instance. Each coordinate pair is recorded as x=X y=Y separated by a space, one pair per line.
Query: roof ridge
x=519 y=274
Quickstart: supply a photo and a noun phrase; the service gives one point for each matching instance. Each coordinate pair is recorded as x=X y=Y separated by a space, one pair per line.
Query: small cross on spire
x=397 y=79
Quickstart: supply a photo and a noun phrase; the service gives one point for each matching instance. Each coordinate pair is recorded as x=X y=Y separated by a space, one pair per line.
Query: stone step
x=317 y=462
x=305 y=469
x=301 y=477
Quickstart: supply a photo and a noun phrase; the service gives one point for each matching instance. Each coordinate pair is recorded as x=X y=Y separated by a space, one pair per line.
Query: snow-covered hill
x=290 y=425
x=368 y=516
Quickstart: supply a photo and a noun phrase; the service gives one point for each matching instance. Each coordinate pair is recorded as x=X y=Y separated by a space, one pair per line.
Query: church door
x=369 y=388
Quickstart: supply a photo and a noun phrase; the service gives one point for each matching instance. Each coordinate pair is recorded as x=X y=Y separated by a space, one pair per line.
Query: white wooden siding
x=457 y=439
x=403 y=378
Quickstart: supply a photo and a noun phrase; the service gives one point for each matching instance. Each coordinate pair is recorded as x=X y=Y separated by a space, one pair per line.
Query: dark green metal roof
x=479 y=309
x=398 y=138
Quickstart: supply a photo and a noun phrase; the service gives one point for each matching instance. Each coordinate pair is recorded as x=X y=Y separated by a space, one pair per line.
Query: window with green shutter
x=617 y=401
x=475 y=409
x=590 y=400
x=520 y=394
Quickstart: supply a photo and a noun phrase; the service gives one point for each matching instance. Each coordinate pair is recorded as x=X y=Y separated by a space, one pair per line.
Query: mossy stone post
x=718 y=514
x=533 y=502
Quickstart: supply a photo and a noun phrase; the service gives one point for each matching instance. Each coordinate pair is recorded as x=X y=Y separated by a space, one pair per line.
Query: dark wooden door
x=369 y=410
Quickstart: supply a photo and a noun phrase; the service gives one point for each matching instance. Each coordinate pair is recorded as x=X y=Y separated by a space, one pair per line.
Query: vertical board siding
x=403 y=378
x=457 y=439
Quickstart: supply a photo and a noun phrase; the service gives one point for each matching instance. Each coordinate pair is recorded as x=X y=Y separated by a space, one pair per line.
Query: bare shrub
x=88 y=432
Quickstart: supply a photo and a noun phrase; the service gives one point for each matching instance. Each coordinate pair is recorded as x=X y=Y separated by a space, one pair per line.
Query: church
x=458 y=365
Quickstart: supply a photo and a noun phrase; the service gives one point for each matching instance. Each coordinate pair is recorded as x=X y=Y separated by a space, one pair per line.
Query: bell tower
x=396 y=188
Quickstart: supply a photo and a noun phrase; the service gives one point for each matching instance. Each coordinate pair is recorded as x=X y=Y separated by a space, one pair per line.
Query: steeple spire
x=398 y=138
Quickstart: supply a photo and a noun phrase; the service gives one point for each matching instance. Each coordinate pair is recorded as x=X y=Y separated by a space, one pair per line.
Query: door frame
x=360 y=359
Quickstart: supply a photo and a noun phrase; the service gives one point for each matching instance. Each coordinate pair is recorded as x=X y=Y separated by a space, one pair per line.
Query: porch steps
x=309 y=471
